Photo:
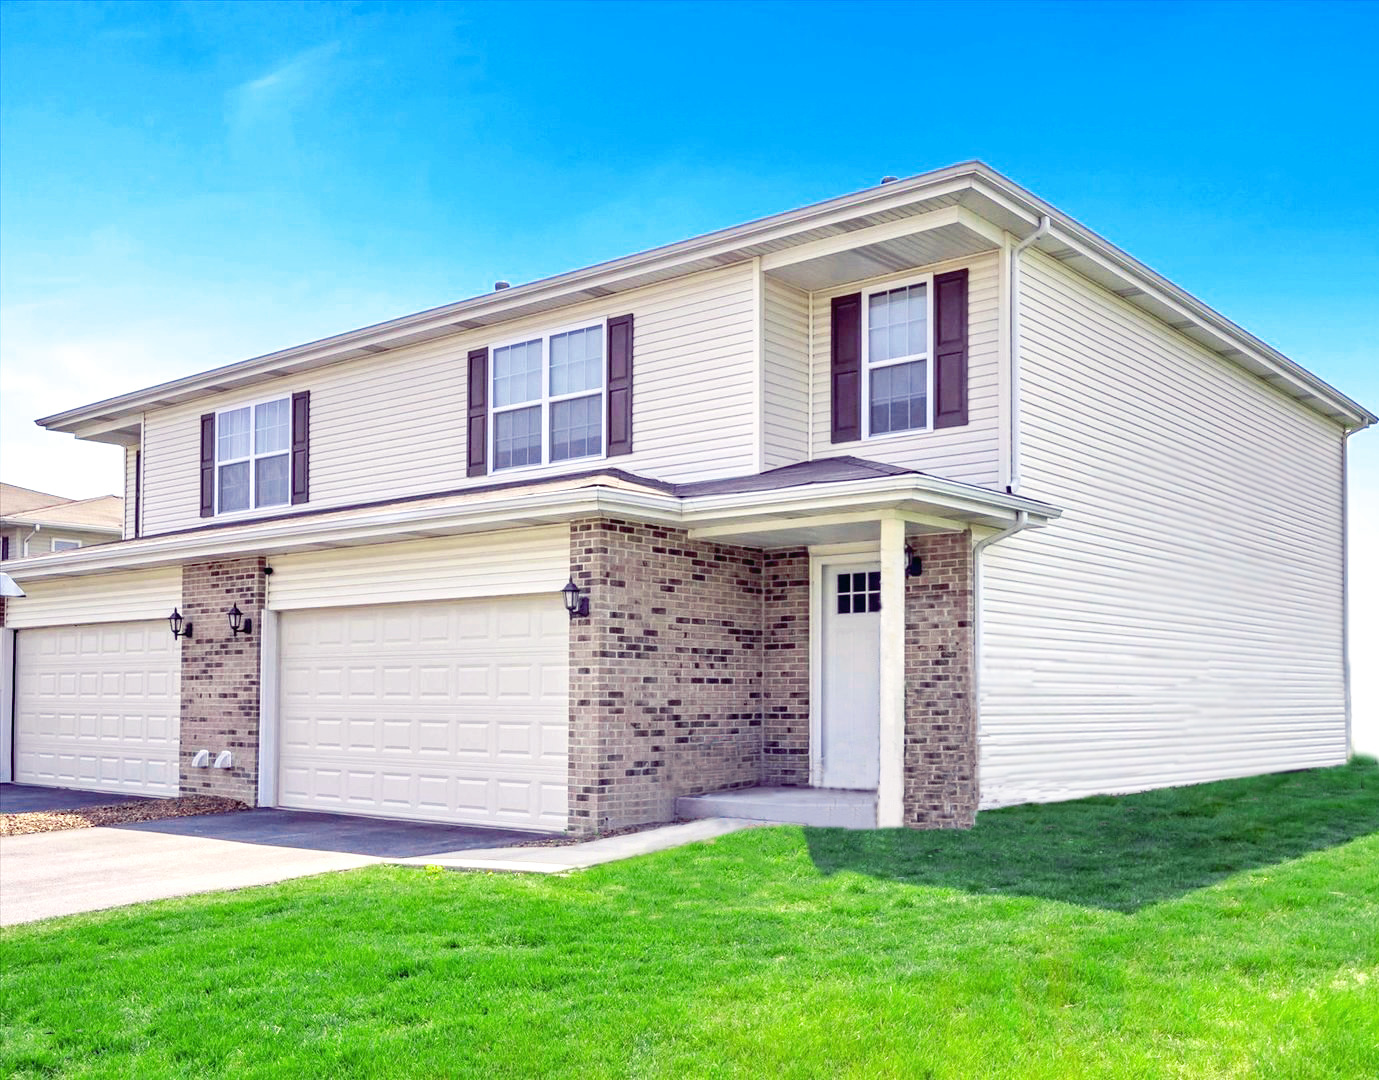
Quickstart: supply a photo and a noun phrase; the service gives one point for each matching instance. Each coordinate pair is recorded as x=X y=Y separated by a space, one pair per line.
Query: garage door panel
x=455 y=711
x=97 y=708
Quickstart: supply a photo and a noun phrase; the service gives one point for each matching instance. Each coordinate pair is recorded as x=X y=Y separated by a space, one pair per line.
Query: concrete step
x=821 y=807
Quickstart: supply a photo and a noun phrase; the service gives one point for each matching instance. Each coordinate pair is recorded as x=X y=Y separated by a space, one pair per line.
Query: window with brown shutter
x=846 y=370
x=950 y=349
x=476 y=430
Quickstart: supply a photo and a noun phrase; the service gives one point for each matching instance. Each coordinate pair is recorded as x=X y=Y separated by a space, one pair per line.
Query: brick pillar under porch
x=665 y=673
x=220 y=676
x=941 y=788
x=785 y=680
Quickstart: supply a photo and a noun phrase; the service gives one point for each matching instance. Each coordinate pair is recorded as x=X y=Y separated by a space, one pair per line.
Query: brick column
x=665 y=673
x=220 y=676
x=940 y=727
x=785 y=675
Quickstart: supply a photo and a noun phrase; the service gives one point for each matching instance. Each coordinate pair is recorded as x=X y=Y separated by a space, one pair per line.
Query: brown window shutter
x=846 y=379
x=950 y=349
x=208 y=465
x=620 y=385
x=301 y=447
x=476 y=433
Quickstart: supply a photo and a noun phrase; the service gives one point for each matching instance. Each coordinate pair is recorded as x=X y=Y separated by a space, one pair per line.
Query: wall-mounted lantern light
x=576 y=601
x=238 y=623
x=180 y=626
x=914 y=565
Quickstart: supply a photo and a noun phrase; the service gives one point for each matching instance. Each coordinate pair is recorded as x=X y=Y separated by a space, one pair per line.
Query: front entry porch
x=820 y=807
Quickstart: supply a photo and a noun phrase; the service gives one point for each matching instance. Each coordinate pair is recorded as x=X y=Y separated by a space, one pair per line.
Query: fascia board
x=720 y=244
x=269 y=538
x=727 y=245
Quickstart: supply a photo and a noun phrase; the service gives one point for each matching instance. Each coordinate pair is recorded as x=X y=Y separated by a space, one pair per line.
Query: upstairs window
x=252 y=447
x=548 y=399
x=66 y=545
x=896 y=340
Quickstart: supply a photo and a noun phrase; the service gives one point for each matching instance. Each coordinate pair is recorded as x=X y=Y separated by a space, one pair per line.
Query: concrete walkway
x=64 y=873
x=565 y=857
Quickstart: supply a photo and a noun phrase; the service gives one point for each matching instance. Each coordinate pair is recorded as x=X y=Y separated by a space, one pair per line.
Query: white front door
x=850 y=751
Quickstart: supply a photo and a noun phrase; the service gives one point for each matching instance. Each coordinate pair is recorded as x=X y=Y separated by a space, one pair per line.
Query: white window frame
x=926 y=280
x=547 y=399
x=67 y=545
x=251 y=509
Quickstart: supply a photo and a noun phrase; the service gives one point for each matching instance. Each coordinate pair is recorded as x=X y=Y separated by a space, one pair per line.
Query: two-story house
x=35 y=522
x=919 y=500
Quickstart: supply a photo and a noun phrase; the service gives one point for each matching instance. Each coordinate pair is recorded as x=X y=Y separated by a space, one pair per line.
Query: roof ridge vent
x=889 y=179
x=499 y=286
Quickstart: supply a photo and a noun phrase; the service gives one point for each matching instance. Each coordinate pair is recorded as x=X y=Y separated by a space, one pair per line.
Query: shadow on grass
x=1125 y=852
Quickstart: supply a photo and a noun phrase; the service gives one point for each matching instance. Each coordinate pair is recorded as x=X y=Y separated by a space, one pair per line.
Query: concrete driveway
x=28 y=799
x=63 y=873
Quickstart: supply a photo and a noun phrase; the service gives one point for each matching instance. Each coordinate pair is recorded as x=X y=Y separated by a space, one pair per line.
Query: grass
x=1228 y=929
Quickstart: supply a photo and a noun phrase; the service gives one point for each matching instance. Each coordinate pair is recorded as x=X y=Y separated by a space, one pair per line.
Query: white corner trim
x=268 y=707
x=7 y=709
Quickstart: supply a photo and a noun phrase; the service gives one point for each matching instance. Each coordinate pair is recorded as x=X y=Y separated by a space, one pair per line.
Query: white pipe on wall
x=1045 y=225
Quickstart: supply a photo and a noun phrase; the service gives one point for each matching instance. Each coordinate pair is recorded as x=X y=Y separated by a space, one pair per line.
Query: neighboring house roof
x=792 y=493
x=983 y=207
x=24 y=506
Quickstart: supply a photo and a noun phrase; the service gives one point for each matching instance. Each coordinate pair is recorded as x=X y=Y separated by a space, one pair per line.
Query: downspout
x=24 y=544
x=1021 y=524
x=1345 y=591
x=1045 y=225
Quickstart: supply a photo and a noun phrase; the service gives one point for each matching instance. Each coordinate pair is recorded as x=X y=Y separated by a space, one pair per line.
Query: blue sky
x=187 y=185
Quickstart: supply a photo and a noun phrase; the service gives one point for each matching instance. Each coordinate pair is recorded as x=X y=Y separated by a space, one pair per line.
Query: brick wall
x=220 y=676
x=785 y=682
x=940 y=728
x=665 y=672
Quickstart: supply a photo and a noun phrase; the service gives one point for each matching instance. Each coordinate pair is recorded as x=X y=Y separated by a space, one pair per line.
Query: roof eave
x=1015 y=201
x=962 y=502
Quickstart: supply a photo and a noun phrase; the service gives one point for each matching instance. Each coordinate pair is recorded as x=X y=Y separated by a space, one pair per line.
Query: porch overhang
x=761 y=516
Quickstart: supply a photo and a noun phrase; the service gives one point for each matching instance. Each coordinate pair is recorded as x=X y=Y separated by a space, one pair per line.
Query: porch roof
x=827 y=501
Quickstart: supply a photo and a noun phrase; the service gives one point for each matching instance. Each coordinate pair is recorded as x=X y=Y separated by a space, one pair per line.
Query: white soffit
x=972 y=188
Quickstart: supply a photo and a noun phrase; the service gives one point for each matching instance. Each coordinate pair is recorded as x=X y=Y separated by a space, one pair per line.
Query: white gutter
x=527 y=507
x=1045 y=226
x=721 y=248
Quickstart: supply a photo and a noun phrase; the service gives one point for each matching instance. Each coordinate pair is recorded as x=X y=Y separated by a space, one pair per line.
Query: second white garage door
x=97 y=707
x=446 y=711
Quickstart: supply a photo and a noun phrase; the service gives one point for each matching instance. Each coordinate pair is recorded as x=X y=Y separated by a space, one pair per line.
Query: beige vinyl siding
x=97 y=598
x=393 y=425
x=1182 y=621
x=131 y=485
x=969 y=453
x=785 y=374
x=519 y=561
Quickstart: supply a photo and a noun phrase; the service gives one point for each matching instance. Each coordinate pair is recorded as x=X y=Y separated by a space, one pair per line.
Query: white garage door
x=97 y=707
x=447 y=711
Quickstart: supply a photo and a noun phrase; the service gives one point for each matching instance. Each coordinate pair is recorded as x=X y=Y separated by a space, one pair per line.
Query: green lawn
x=1229 y=929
